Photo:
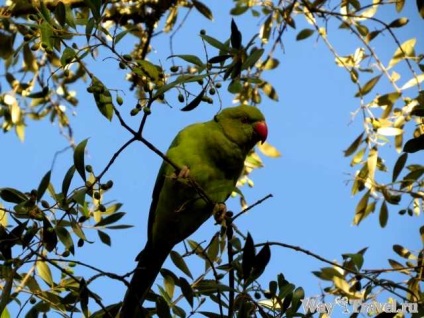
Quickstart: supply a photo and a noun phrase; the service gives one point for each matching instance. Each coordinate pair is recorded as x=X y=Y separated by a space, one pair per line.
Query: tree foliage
x=46 y=50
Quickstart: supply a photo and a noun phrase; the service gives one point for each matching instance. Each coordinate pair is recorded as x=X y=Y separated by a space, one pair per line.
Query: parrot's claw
x=219 y=211
x=182 y=174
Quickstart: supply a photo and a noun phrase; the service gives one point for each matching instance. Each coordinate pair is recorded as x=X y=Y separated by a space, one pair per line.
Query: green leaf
x=261 y=261
x=95 y=6
x=66 y=183
x=384 y=214
x=66 y=238
x=44 y=272
x=49 y=235
x=105 y=238
x=236 y=37
x=189 y=58
x=187 y=291
x=400 y=163
x=248 y=257
x=89 y=28
x=79 y=158
x=78 y=230
x=60 y=13
x=67 y=56
x=364 y=90
x=215 y=43
x=83 y=293
x=414 y=145
x=180 y=263
x=360 y=211
x=252 y=58
x=162 y=308
x=12 y=195
x=412 y=177
x=195 y=102
x=148 y=69
x=304 y=34
x=203 y=9
x=110 y=219
x=354 y=146
x=46 y=36
x=213 y=249
x=43 y=185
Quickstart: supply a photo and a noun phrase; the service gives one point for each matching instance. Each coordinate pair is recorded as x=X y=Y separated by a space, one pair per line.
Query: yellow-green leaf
x=269 y=91
x=364 y=90
x=360 y=212
x=265 y=31
x=354 y=145
x=269 y=150
x=405 y=50
x=403 y=252
x=43 y=270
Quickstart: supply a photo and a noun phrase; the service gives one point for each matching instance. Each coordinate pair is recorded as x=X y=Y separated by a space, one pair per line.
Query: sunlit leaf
x=43 y=270
x=269 y=91
x=265 y=30
x=415 y=81
x=403 y=252
x=389 y=131
x=269 y=150
x=405 y=50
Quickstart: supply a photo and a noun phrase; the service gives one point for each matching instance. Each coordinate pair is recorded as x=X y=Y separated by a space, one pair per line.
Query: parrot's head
x=244 y=125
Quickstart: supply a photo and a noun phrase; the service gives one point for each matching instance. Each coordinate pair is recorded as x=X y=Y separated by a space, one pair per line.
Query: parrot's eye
x=244 y=120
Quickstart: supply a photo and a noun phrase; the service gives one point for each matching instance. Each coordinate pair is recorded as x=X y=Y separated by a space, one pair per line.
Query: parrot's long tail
x=150 y=262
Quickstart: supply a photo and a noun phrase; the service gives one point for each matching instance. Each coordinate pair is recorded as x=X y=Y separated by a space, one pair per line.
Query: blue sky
x=311 y=125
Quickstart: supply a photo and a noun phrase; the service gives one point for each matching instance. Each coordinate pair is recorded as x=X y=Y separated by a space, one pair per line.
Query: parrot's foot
x=182 y=174
x=219 y=211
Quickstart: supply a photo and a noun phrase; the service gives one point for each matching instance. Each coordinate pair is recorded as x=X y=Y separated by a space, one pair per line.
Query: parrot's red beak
x=261 y=130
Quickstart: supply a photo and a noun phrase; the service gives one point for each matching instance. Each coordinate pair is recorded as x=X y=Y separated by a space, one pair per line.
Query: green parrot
x=212 y=155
